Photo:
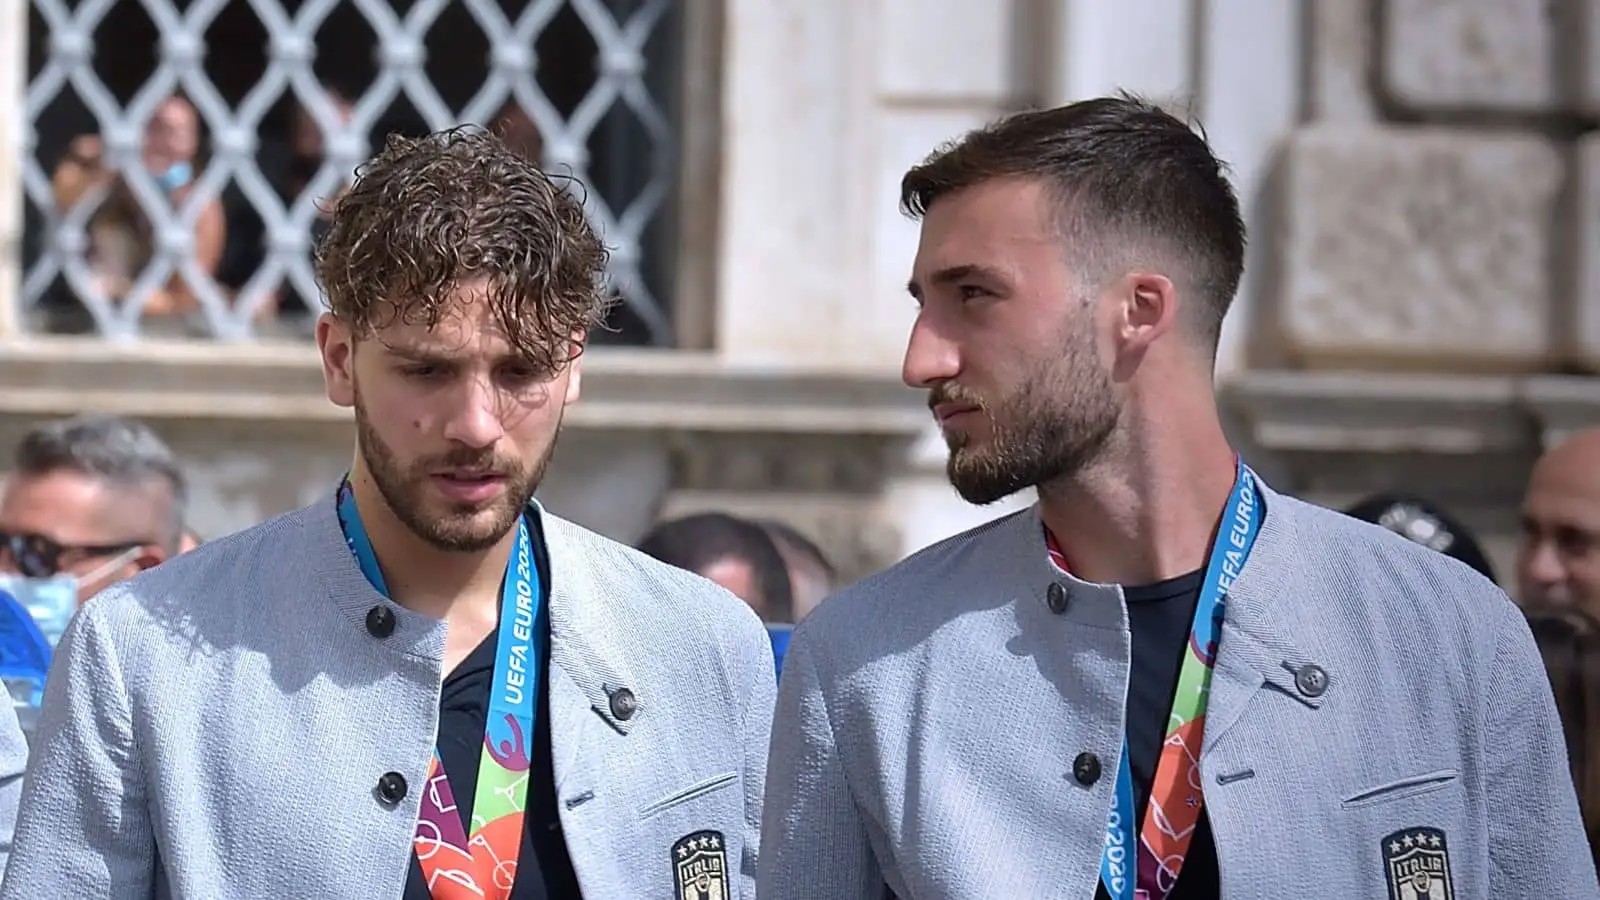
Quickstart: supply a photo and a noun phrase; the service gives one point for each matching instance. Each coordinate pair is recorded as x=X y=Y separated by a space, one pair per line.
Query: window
x=180 y=147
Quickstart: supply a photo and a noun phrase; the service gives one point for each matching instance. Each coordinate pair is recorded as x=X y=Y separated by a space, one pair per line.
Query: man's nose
x=931 y=357
x=476 y=416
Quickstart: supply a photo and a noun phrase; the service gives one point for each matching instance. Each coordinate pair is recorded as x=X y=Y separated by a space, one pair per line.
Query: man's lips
x=469 y=485
x=946 y=411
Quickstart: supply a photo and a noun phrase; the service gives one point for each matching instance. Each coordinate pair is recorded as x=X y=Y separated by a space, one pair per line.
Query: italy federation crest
x=700 y=866
x=1416 y=862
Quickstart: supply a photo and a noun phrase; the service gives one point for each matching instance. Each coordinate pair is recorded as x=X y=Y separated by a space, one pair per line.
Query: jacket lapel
x=587 y=668
x=1257 y=647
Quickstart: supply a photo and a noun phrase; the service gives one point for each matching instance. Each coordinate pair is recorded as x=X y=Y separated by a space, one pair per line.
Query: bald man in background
x=1559 y=561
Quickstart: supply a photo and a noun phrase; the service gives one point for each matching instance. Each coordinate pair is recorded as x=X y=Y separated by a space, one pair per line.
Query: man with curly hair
x=423 y=685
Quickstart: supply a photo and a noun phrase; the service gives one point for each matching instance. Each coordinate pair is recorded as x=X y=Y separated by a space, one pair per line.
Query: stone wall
x=1431 y=276
x=1439 y=209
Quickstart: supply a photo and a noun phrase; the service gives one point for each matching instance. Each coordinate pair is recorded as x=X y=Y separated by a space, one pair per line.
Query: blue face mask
x=49 y=601
x=176 y=176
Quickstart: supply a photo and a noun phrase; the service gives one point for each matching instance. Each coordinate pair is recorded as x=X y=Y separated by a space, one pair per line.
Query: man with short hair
x=730 y=551
x=94 y=498
x=423 y=685
x=1559 y=561
x=1164 y=680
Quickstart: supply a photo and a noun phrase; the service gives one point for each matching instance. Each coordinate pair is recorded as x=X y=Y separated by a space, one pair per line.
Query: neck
x=1148 y=509
x=420 y=576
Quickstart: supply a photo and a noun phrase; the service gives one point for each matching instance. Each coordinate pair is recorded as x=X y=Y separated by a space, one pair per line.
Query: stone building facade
x=1422 y=308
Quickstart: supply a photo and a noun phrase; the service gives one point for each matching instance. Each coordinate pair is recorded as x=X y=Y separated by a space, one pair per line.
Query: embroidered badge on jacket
x=1417 y=863
x=700 y=866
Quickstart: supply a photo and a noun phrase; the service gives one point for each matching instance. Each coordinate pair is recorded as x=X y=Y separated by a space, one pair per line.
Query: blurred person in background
x=1569 y=641
x=812 y=576
x=1558 y=563
x=737 y=554
x=1421 y=522
x=422 y=684
x=89 y=501
x=122 y=237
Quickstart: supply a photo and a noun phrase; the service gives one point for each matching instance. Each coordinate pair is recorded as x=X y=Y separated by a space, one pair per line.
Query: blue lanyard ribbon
x=1121 y=866
x=509 y=729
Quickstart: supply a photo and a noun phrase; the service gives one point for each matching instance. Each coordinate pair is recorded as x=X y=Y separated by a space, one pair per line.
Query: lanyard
x=483 y=865
x=1158 y=854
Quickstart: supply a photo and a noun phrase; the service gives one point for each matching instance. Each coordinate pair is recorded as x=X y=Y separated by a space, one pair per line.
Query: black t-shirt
x=544 y=870
x=1160 y=616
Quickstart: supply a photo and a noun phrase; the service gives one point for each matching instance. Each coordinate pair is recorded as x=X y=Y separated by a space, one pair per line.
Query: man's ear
x=575 y=367
x=337 y=346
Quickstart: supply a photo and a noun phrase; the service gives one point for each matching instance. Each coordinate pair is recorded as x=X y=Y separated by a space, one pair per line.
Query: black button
x=1311 y=680
x=392 y=788
x=1056 y=598
x=623 y=704
x=1086 y=768
x=380 y=621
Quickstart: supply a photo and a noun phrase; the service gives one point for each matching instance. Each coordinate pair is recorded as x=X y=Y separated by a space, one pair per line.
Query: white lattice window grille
x=596 y=77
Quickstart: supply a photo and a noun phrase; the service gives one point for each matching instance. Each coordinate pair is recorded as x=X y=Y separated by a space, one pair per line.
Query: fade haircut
x=426 y=215
x=123 y=453
x=1131 y=184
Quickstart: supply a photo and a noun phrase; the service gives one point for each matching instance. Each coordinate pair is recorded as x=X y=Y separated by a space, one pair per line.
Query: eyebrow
x=953 y=274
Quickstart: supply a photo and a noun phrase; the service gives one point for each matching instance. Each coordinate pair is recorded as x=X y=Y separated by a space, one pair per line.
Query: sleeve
x=84 y=826
x=1537 y=843
x=815 y=841
x=13 y=762
x=760 y=695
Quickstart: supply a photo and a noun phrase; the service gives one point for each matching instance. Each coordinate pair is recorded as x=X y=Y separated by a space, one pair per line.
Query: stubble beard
x=458 y=528
x=1056 y=425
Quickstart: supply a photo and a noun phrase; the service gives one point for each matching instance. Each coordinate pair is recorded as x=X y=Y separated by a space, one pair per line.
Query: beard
x=457 y=528
x=1057 y=424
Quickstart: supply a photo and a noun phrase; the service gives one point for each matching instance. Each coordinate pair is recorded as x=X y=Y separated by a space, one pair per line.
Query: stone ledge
x=1358 y=412
x=623 y=389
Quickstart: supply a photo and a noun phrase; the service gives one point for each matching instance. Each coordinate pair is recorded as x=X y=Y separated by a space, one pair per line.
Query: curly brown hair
x=425 y=215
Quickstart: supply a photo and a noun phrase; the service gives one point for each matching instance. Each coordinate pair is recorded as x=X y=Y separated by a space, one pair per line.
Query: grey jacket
x=929 y=717
x=13 y=760
x=215 y=728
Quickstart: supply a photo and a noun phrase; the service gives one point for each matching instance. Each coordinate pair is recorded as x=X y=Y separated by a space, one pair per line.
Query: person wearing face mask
x=122 y=236
x=88 y=502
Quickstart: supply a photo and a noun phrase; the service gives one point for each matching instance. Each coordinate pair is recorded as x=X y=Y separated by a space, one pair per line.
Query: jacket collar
x=1261 y=640
x=588 y=640
x=585 y=643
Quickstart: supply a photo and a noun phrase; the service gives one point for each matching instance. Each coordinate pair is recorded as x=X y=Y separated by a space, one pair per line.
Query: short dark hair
x=124 y=453
x=697 y=541
x=427 y=214
x=1127 y=176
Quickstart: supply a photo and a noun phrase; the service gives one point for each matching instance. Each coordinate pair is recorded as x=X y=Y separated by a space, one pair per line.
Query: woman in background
x=1569 y=639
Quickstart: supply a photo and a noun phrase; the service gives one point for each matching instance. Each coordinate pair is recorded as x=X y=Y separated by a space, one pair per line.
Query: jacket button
x=380 y=621
x=1086 y=768
x=1056 y=598
x=392 y=788
x=623 y=704
x=1311 y=680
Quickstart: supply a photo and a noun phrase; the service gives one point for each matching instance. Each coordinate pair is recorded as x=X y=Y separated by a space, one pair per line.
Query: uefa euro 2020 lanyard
x=456 y=865
x=1175 y=796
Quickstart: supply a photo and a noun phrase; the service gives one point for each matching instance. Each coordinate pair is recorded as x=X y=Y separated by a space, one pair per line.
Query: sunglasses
x=37 y=556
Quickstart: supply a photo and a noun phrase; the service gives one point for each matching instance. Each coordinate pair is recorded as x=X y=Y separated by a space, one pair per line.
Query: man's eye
x=422 y=372
x=972 y=291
